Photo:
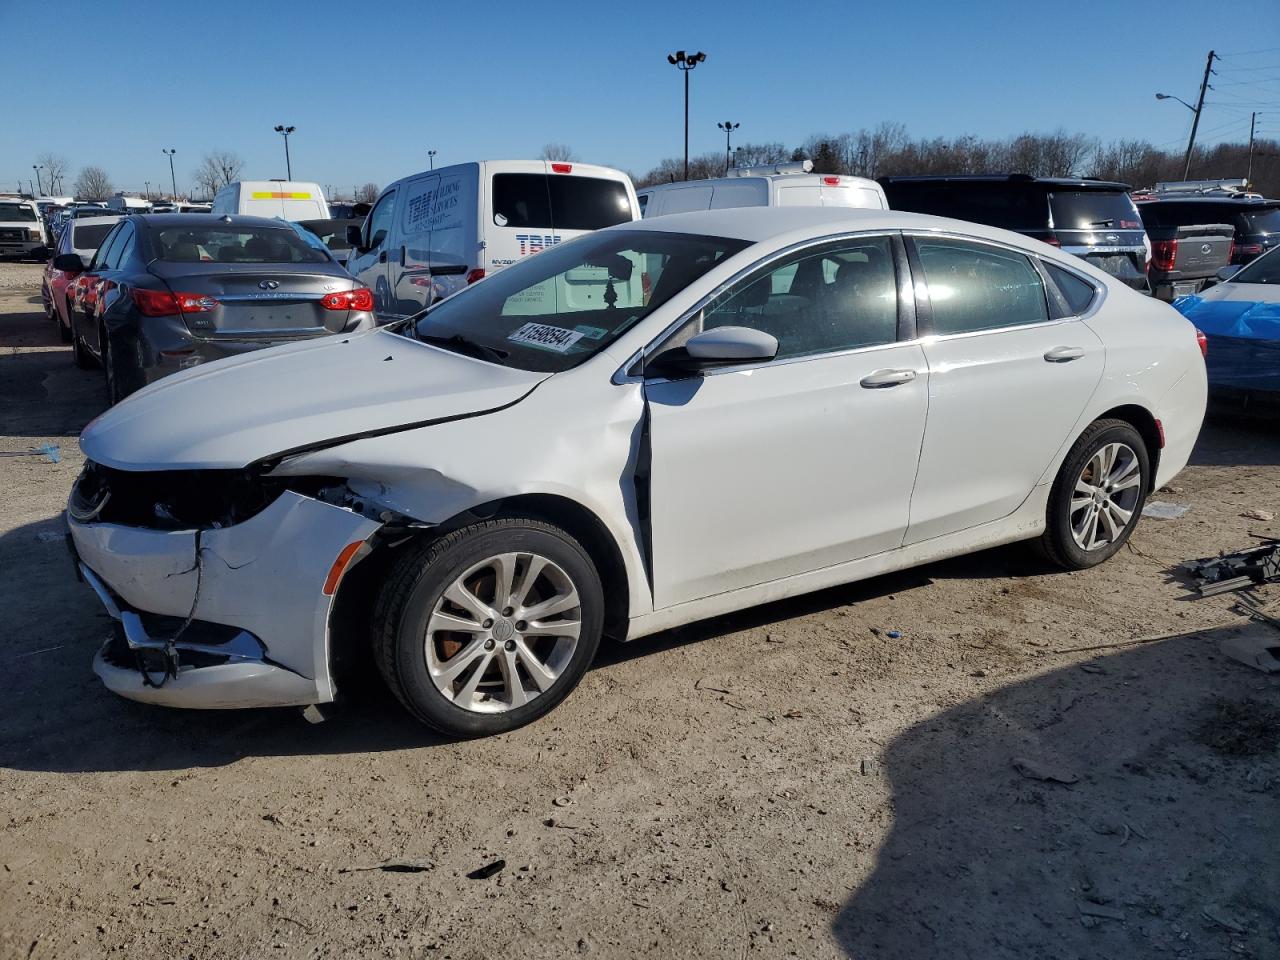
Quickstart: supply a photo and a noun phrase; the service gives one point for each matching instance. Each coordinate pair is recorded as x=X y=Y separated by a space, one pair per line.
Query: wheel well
x=349 y=621
x=1140 y=419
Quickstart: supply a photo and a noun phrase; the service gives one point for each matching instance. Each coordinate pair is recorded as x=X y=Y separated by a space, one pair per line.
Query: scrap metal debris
x=1236 y=571
x=415 y=865
x=487 y=871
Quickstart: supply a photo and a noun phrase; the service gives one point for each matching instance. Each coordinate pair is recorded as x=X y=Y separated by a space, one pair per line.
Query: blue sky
x=371 y=86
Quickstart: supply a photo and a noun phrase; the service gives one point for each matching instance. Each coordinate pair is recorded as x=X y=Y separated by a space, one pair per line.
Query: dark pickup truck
x=1257 y=222
x=1185 y=257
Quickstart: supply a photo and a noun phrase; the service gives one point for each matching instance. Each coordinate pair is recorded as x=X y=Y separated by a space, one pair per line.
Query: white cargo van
x=778 y=185
x=285 y=199
x=433 y=233
x=128 y=204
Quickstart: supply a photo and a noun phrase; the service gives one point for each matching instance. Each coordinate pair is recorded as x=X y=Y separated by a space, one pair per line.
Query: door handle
x=887 y=378
x=382 y=257
x=404 y=254
x=1064 y=354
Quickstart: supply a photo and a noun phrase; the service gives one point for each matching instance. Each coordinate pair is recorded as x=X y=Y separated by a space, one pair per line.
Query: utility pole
x=173 y=181
x=1195 y=124
x=686 y=62
x=1253 y=122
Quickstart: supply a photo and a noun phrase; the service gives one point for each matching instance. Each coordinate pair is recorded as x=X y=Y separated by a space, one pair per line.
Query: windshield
x=1093 y=209
x=555 y=309
x=192 y=244
x=1266 y=269
x=17 y=212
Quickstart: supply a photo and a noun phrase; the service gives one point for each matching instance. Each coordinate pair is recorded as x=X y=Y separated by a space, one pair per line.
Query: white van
x=778 y=185
x=285 y=199
x=128 y=204
x=433 y=233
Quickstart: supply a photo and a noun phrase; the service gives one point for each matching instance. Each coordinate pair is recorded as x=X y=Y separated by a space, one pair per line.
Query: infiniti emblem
x=268 y=284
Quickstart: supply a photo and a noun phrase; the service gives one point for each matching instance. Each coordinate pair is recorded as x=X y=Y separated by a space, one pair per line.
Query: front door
x=772 y=469
x=369 y=264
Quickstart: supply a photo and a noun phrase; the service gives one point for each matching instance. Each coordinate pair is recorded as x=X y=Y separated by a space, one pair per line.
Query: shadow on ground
x=42 y=393
x=1178 y=792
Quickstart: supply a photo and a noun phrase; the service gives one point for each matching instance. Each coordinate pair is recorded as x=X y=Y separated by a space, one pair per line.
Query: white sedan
x=649 y=425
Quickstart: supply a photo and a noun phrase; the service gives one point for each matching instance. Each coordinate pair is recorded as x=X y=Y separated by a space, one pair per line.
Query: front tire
x=489 y=627
x=1097 y=496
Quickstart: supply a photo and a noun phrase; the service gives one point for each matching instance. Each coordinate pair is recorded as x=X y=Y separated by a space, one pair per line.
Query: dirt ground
x=789 y=781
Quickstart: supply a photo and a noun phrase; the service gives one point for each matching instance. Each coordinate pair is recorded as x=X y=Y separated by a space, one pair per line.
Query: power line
x=1250 y=53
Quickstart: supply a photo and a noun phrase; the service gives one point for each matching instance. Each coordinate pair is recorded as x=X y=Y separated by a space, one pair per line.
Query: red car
x=81 y=236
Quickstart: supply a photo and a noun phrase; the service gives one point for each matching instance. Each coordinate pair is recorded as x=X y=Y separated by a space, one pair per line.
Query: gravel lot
x=789 y=781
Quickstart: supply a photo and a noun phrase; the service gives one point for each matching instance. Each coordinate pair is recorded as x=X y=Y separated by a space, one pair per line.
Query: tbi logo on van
x=533 y=243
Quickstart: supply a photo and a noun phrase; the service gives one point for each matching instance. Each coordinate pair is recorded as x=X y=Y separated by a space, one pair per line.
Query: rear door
x=369 y=263
x=1007 y=384
x=84 y=303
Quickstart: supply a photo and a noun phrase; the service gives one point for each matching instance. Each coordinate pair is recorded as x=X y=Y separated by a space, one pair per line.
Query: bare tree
x=557 y=151
x=366 y=193
x=217 y=169
x=55 y=168
x=93 y=184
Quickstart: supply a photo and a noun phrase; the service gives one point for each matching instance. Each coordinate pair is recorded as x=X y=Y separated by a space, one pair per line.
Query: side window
x=1077 y=292
x=123 y=248
x=975 y=287
x=100 y=259
x=839 y=297
x=379 y=224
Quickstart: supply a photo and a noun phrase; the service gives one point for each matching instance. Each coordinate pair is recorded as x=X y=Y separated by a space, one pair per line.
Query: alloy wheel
x=1106 y=494
x=503 y=632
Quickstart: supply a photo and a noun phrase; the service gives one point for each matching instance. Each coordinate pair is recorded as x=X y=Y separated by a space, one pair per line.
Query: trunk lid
x=1202 y=250
x=257 y=300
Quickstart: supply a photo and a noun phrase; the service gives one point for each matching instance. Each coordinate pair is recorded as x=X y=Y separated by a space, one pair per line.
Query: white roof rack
x=772 y=169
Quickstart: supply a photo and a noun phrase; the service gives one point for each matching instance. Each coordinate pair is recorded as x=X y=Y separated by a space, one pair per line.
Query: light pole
x=284 y=132
x=173 y=180
x=728 y=129
x=686 y=62
x=147 y=184
x=431 y=158
x=37 y=167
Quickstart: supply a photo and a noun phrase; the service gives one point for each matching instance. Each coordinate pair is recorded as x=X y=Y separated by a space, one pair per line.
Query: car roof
x=95 y=221
x=1016 y=179
x=1242 y=202
x=205 y=220
x=757 y=224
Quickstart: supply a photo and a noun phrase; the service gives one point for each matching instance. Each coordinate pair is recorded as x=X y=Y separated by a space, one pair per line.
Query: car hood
x=1254 y=292
x=235 y=412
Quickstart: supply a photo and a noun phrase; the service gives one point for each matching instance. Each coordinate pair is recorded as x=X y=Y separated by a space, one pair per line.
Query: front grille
x=13 y=235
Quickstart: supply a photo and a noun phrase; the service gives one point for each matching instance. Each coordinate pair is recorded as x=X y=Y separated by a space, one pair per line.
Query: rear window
x=1266 y=220
x=193 y=244
x=558 y=201
x=1093 y=209
x=17 y=212
x=1077 y=292
x=90 y=237
x=995 y=204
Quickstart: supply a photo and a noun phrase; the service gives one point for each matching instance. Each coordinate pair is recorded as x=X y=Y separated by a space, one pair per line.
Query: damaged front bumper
x=249 y=604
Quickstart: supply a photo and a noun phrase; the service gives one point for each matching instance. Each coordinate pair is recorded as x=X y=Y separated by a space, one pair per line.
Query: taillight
x=1052 y=240
x=1203 y=341
x=1163 y=254
x=361 y=298
x=1231 y=252
x=1246 y=250
x=562 y=168
x=476 y=274
x=831 y=181
x=162 y=303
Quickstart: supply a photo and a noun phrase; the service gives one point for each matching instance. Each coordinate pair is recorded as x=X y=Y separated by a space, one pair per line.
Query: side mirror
x=1229 y=271
x=353 y=236
x=717 y=347
x=68 y=263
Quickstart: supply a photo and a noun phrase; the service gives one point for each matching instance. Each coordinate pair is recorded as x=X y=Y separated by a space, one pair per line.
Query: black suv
x=1256 y=222
x=1094 y=219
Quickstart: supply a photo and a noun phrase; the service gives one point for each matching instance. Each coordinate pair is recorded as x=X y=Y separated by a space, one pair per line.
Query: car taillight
x=1052 y=240
x=476 y=274
x=1238 y=253
x=361 y=298
x=1163 y=254
x=1203 y=341
x=162 y=303
x=1231 y=252
x=562 y=168
x=831 y=181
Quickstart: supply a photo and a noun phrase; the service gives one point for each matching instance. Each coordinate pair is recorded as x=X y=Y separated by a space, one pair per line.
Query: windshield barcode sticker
x=546 y=337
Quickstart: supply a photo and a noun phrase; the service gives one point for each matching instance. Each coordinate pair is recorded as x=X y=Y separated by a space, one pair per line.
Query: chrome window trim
x=621 y=376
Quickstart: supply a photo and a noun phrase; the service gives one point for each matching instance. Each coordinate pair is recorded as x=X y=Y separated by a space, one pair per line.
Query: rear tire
x=508 y=664
x=79 y=355
x=1098 y=495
